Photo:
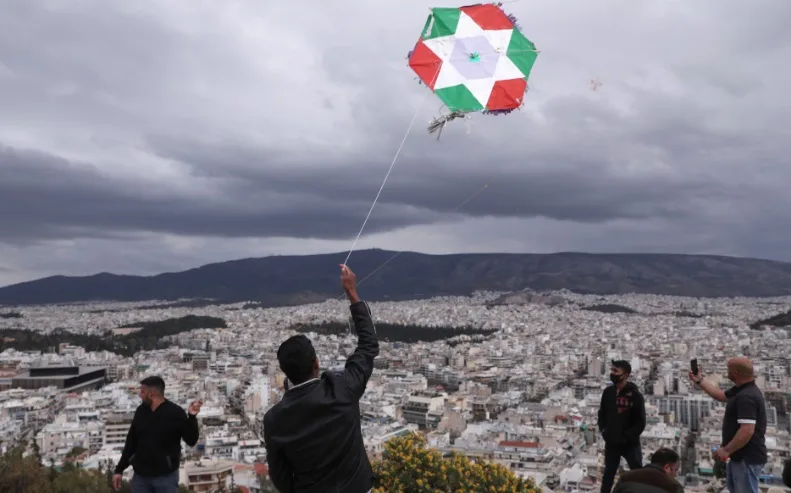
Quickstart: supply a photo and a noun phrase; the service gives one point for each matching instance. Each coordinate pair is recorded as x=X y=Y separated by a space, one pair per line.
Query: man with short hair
x=153 y=444
x=657 y=477
x=314 y=443
x=743 y=426
x=621 y=422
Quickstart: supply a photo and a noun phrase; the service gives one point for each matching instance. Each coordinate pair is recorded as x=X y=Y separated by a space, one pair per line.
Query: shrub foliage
x=409 y=466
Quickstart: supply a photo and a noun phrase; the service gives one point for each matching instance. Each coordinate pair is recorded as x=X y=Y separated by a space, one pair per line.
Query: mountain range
x=285 y=280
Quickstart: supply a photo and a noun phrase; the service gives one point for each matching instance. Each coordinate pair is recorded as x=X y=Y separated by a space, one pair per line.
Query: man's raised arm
x=360 y=365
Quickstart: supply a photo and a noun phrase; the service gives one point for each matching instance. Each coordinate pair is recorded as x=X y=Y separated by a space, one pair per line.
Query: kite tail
x=437 y=124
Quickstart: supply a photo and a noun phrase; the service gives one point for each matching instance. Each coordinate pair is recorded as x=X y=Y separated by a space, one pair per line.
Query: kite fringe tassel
x=437 y=124
x=511 y=17
x=498 y=112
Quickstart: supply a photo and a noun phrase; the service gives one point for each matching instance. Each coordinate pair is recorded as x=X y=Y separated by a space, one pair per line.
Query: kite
x=475 y=59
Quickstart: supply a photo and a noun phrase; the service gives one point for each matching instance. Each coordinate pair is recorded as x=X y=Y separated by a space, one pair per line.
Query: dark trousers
x=612 y=460
x=169 y=483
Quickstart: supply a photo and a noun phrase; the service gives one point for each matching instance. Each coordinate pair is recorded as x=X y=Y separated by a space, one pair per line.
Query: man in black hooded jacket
x=314 y=442
x=621 y=422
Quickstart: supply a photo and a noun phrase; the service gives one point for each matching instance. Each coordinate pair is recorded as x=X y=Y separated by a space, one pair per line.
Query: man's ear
x=316 y=364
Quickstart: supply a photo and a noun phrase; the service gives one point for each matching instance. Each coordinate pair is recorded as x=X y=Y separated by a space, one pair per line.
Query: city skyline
x=524 y=392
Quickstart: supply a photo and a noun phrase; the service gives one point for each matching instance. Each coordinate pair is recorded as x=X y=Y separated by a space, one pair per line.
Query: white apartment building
x=206 y=475
x=116 y=427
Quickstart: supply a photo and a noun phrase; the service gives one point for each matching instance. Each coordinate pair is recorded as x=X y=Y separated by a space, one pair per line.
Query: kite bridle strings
x=392 y=164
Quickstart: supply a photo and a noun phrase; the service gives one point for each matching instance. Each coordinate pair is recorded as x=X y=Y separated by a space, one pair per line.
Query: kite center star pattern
x=473 y=58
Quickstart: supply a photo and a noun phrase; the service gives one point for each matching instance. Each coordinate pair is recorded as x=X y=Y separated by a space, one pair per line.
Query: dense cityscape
x=520 y=386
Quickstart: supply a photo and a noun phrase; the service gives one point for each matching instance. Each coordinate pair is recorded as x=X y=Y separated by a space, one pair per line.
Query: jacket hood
x=630 y=386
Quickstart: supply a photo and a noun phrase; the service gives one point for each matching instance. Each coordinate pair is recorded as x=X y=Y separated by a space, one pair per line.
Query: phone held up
x=693 y=364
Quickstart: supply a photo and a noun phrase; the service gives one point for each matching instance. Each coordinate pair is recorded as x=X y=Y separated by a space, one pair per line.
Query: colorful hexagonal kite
x=474 y=58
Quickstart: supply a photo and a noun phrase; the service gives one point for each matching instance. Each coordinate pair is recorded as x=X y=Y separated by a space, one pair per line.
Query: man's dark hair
x=664 y=456
x=155 y=383
x=623 y=365
x=296 y=356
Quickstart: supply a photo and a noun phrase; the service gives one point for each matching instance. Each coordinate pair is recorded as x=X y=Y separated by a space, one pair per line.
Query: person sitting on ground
x=313 y=439
x=657 y=477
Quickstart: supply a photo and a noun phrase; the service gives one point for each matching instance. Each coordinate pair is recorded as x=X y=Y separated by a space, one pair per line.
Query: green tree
x=25 y=474
x=75 y=452
x=409 y=466
x=81 y=481
x=21 y=474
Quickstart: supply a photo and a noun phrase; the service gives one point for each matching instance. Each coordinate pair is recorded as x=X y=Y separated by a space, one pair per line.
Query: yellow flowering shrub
x=408 y=466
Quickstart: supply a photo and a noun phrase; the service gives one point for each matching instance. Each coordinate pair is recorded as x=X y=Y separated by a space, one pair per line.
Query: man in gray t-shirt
x=743 y=427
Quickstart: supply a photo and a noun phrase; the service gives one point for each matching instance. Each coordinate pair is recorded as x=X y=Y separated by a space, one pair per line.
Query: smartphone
x=693 y=364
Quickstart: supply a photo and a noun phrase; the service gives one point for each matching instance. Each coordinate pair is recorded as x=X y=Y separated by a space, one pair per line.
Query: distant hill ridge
x=282 y=280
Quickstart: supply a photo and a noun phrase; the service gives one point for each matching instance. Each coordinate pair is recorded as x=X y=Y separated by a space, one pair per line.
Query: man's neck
x=621 y=385
x=155 y=403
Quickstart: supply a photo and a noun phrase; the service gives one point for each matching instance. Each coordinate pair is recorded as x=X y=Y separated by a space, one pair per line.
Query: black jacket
x=153 y=444
x=314 y=443
x=622 y=415
x=649 y=479
x=787 y=473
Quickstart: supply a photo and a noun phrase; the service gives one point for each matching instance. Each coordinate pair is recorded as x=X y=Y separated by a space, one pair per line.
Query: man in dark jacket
x=314 y=443
x=657 y=477
x=621 y=422
x=153 y=444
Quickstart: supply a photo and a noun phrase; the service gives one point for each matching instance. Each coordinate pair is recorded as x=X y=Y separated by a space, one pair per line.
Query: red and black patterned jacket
x=622 y=415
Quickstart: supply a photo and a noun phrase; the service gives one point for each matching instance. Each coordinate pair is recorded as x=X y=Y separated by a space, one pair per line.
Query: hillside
x=281 y=280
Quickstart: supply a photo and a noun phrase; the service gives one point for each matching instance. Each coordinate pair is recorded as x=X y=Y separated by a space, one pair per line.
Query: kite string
x=387 y=175
x=456 y=209
x=390 y=170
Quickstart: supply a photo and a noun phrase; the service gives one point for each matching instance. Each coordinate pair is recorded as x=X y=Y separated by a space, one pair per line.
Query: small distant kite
x=475 y=59
x=595 y=84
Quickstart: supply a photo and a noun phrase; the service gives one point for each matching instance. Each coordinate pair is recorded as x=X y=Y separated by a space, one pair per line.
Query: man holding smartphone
x=743 y=426
x=314 y=442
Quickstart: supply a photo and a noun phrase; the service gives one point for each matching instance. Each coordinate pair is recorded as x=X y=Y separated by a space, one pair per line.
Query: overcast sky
x=149 y=136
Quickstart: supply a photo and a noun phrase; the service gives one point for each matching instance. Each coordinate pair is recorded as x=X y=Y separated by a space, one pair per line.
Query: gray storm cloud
x=217 y=123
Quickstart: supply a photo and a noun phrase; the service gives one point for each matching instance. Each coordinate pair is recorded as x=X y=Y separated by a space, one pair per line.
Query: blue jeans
x=743 y=478
x=169 y=483
x=612 y=460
